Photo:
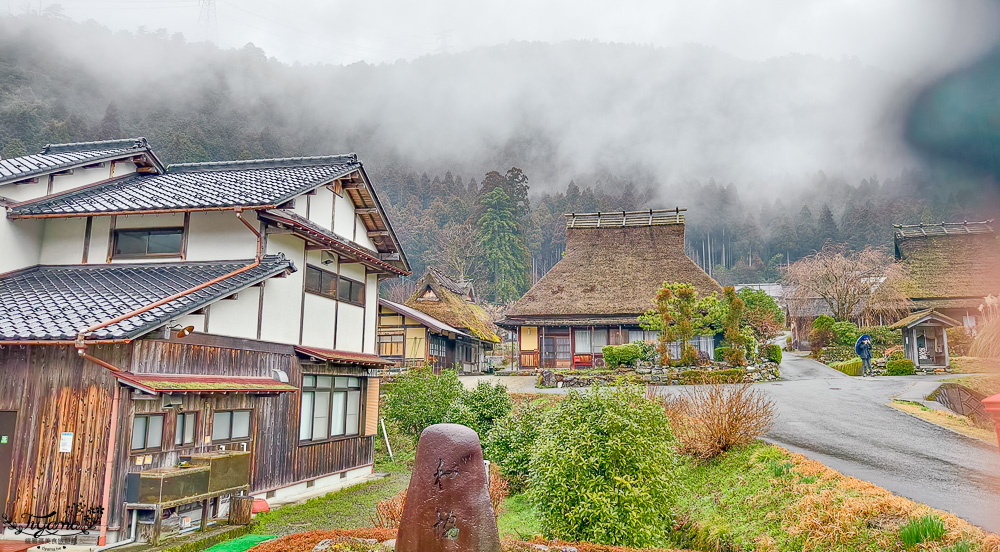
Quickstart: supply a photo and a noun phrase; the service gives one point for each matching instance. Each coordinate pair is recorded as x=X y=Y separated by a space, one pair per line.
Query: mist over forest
x=771 y=158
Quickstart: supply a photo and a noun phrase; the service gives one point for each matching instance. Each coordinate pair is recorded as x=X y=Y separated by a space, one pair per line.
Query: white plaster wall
x=350 y=327
x=121 y=168
x=371 y=313
x=344 y=217
x=100 y=240
x=81 y=177
x=318 y=322
x=196 y=320
x=20 y=242
x=354 y=271
x=283 y=296
x=361 y=235
x=301 y=203
x=24 y=192
x=236 y=317
x=62 y=241
x=219 y=235
x=321 y=210
x=149 y=221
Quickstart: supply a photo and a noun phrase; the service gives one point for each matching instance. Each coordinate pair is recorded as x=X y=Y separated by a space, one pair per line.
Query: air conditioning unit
x=170 y=401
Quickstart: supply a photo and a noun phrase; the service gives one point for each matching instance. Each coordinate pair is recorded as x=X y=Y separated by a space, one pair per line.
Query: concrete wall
x=62 y=241
x=21 y=242
x=235 y=317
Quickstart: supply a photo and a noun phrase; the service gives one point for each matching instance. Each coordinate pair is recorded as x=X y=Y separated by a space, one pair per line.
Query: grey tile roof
x=256 y=183
x=57 y=302
x=61 y=157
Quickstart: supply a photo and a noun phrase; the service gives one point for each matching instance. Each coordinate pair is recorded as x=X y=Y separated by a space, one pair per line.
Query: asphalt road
x=845 y=423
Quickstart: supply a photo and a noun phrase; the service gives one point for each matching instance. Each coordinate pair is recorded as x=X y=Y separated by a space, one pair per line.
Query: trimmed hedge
x=689 y=377
x=771 y=352
x=618 y=355
x=849 y=367
x=902 y=367
x=720 y=353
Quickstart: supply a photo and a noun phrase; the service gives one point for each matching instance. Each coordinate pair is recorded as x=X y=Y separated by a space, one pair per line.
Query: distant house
x=442 y=324
x=614 y=265
x=220 y=314
x=953 y=267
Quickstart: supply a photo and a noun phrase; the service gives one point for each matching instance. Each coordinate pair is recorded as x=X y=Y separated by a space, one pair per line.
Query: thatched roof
x=611 y=271
x=951 y=265
x=453 y=303
x=924 y=316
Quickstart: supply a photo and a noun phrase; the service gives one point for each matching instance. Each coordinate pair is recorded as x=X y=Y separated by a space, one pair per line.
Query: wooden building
x=441 y=324
x=614 y=265
x=165 y=322
x=925 y=340
x=953 y=267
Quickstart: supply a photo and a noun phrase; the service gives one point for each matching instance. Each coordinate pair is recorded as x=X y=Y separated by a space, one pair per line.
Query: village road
x=845 y=423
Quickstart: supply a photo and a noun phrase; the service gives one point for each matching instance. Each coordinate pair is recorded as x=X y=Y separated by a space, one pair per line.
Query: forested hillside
x=768 y=157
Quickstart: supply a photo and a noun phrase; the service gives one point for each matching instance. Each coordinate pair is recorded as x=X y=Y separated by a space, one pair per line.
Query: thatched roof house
x=953 y=266
x=454 y=303
x=613 y=267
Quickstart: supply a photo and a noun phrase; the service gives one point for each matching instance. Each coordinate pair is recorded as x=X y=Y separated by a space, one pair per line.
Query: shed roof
x=202 y=383
x=344 y=357
x=63 y=157
x=950 y=264
x=49 y=303
x=924 y=316
x=453 y=305
x=612 y=271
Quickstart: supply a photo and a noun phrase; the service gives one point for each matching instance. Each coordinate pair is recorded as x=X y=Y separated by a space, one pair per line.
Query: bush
x=731 y=375
x=924 y=529
x=648 y=349
x=621 y=355
x=845 y=333
x=902 y=367
x=824 y=322
x=849 y=367
x=603 y=469
x=721 y=352
x=389 y=513
x=771 y=352
x=419 y=398
x=839 y=353
x=708 y=420
x=821 y=334
x=882 y=336
x=510 y=442
x=895 y=353
x=959 y=342
x=481 y=408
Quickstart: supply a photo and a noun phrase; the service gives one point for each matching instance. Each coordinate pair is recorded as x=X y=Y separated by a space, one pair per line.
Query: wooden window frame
x=361 y=387
x=181 y=253
x=320 y=292
x=146 y=449
x=392 y=342
x=351 y=283
x=230 y=439
x=179 y=426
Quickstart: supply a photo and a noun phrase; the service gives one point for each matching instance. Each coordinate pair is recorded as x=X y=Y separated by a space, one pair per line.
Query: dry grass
x=974 y=365
x=498 y=490
x=961 y=424
x=984 y=385
x=389 y=513
x=987 y=341
x=710 y=419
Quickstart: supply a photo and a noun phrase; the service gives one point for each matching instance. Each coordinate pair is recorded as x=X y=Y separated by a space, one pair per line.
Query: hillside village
x=187 y=344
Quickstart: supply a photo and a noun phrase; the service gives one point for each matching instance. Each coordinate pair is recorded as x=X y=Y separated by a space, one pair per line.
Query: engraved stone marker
x=447 y=503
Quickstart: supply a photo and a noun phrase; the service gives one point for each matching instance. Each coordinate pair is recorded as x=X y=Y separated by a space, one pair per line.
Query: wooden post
x=240 y=510
x=204 y=513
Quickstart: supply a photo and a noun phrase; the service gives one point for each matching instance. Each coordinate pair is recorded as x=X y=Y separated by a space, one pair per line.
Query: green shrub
x=824 y=322
x=419 y=398
x=896 y=354
x=721 y=352
x=960 y=546
x=845 y=333
x=603 y=469
x=509 y=445
x=692 y=376
x=648 y=349
x=849 y=367
x=732 y=375
x=771 y=352
x=928 y=528
x=621 y=355
x=480 y=408
x=882 y=336
x=821 y=334
x=902 y=367
x=959 y=341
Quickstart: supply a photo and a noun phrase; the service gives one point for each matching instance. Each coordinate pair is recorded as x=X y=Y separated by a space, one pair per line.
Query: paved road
x=845 y=423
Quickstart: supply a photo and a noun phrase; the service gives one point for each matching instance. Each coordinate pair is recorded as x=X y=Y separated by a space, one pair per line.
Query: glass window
x=581 y=342
x=390 y=345
x=321 y=282
x=148 y=242
x=351 y=291
x=636 y=335
x=331 y=407
x=147 y=432
x=241 y=424
x=221 y=424
x=231 y=425
x=185 y=433
x=600 y=340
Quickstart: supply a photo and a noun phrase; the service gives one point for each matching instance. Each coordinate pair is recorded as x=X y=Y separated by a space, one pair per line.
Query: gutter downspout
x=81 y=349
x=129 y=540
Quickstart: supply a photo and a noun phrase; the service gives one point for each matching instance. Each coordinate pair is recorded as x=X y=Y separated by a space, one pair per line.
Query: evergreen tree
x=110 y=127
x=826 y=227
x=504 y=255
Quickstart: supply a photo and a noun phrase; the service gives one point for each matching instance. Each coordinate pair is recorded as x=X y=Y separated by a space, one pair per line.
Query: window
x=468 y=353
x=351 y=291
x=231 y=425
x=148 y=242
x=186 y=424
x=581 y=342
x=321 y=282
x=599 y=341
x=636 y=335
x=390 y=345
x=331 y=407
x=437 y=347
x=147 y=432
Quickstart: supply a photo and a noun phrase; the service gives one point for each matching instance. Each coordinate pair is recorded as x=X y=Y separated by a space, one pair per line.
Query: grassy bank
x=955 y=422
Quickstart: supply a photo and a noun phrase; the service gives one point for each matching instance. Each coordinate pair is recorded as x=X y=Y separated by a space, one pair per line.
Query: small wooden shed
x=925 y=341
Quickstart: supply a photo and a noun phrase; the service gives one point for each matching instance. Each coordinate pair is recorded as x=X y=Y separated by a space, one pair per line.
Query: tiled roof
x=198 y=186
x=201 y=383
x=344 y=357
x=57 y=302
x=61 y=157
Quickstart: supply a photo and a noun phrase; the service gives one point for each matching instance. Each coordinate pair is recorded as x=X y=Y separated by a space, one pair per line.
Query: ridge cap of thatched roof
x=452 y=307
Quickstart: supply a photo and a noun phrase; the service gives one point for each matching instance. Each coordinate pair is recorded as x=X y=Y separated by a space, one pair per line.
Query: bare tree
x=457 y=252
x=864 y=285
x=399 y=290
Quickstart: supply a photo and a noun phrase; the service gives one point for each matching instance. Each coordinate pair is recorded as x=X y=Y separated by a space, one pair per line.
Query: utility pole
x=208 y=24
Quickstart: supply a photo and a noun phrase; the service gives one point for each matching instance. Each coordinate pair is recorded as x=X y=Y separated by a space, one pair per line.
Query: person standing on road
x=863 y=347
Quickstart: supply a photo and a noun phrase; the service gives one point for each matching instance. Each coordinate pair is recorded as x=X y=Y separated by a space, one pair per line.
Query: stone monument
x=448 y=505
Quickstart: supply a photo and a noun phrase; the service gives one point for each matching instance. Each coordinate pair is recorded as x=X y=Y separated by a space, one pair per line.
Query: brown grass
x=987 y=341
x=710 y=419
x=961 y=424
x=974 y=365
x=498 y=490
x=389 y=513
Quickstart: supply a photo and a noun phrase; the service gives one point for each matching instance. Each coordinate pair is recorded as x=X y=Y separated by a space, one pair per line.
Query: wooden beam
x=389 y=256
x=366 y=211
x=278 y=230
x=378 y=234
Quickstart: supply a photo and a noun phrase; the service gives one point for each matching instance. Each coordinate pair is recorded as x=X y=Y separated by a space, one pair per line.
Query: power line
x=208 y=23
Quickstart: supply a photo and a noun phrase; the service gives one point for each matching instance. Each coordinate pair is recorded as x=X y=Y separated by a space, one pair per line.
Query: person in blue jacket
x=863 y=347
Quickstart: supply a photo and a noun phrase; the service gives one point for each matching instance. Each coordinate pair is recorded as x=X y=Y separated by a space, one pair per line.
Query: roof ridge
x=279 y=257
x=265 y=163
x=137 y=143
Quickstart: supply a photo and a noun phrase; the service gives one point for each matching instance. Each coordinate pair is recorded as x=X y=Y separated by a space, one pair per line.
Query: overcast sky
x=903 y=35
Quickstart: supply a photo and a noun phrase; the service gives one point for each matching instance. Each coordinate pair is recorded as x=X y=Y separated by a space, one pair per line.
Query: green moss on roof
x=453 y=309
x=209 y=386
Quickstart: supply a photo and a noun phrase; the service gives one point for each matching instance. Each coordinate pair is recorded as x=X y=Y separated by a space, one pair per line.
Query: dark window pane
x=344 y=293
x=313 y=278
x=130 y=243
x=165 y=242
x=357 y=292
x=330 y=284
